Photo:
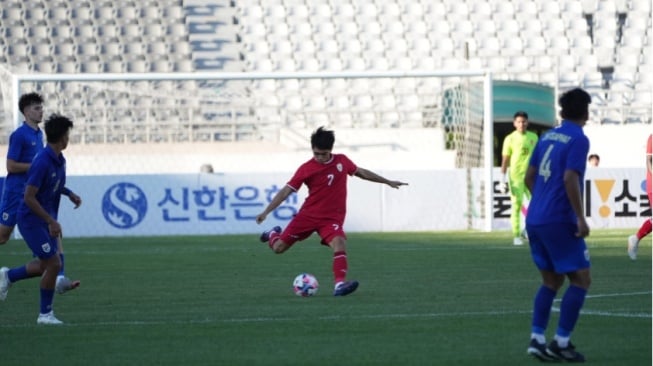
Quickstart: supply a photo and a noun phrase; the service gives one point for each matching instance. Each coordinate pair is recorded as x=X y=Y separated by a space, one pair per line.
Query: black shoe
x=568 y=353
x=346 y=288
x=265 y=237
x=538 y=350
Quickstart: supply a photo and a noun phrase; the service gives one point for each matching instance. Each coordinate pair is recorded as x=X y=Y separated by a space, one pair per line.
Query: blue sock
x=17 y=274
x=46 y=300
x=542 y=309
x=570 y=307
x=61 y=273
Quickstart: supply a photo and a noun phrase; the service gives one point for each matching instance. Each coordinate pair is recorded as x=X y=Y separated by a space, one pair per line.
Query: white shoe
x=633 y=244
x=517 y=241
x=48 y=319
x=64 y=284
x=4 y=282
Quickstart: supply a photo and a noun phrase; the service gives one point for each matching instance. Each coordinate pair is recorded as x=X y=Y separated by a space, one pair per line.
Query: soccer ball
x=305 y=285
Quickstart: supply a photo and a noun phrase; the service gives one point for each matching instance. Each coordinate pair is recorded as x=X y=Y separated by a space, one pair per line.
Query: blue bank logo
x=124 y=205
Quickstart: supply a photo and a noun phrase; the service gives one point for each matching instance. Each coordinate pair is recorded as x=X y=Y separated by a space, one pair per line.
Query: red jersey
x=327 y=186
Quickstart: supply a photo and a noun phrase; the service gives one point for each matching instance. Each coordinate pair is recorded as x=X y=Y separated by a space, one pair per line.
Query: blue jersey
x=24 y=144
x=562 y=148
x=48 y=174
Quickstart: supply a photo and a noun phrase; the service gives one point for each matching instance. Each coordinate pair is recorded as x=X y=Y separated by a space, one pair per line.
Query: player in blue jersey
x=24 y=143
x=37 y=217
x=556 y=227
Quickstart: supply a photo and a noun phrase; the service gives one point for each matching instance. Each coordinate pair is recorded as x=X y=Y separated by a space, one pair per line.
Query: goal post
x=208 y=107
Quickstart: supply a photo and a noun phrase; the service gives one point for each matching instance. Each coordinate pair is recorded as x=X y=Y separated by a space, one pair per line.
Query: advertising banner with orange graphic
x=613 y=198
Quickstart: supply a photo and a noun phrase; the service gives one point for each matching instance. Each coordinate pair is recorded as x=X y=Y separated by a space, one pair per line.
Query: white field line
x=610 y=313
x=359 y=317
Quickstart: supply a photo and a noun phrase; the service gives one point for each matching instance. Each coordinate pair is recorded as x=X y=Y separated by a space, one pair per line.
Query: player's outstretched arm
x=373 y=177
x=276 y=201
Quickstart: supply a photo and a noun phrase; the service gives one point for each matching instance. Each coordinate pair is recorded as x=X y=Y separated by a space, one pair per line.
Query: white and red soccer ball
x=305 y=285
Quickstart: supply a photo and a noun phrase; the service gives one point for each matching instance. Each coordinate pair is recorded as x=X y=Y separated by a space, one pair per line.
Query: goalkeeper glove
x=503 y=186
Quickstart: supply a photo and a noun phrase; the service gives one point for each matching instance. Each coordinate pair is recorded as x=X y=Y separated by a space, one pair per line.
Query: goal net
x=184 y=112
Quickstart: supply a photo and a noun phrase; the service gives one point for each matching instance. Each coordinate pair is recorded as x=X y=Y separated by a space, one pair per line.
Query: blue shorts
x=555 y=248
x=38 y=239
x=9 y=208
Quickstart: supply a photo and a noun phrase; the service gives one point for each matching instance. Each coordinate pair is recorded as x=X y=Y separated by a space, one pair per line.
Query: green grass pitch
x=442 y=298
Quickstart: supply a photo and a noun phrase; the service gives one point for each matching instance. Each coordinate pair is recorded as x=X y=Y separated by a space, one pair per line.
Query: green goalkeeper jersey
x=519 y=146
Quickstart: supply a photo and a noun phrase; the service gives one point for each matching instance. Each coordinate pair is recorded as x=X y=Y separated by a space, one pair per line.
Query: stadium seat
x=413 y=12
x=366 y=12
x=154 y=32
x=39 y=33
x=138 y=66
x=82 y=14
x=41 y=50
x=355 y=64
x=328 y=48
x=321 y=12
x=151 y=11
x=351 y=47
x=301 y=31
x=489 y=46
x=115 y=67
x=343 y=11
x=535 y=46
x=283 y=48
x=309 y=64
x=16 y=32
x=396 y=47
x=305 y=49
x=522 y=63
x=549 y=10
x=508 y=28
x=512 y=47
x=176 y=31
x=286 y=65
x=485 y=28
x=71 y=67
x=45 y=67
x=331 y=64
x=419 y=47
x=480 y=11
x=527 y=9
x=128 y=14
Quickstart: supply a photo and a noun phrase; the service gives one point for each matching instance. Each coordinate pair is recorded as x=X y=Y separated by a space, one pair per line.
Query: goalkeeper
x=515 y=154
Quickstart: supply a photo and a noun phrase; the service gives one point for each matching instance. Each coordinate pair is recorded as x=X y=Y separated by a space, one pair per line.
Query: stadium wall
x=217 y=204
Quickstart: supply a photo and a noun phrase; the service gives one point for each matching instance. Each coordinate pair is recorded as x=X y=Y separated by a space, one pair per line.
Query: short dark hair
x=323 y=139
x=593 y=156
x=520 y=114
x=574 y=104
x=29 y=99
x=56 y=127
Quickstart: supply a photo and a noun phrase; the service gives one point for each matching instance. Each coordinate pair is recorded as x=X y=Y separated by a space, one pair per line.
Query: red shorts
x=301 y=227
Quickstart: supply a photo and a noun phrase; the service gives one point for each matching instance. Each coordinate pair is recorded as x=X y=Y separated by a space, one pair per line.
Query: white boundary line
x=329 y=318
x=639 y=315
x=610 y=313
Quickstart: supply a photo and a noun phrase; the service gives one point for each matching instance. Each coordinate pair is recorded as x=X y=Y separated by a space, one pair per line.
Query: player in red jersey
x=325 y=208
x=645 y=229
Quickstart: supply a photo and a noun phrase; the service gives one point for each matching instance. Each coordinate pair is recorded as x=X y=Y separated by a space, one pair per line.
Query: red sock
x=274 y=236
x=339 y=266
x=644 y=230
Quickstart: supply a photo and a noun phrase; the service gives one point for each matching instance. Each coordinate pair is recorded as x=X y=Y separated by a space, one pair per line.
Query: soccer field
x=454 y=298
